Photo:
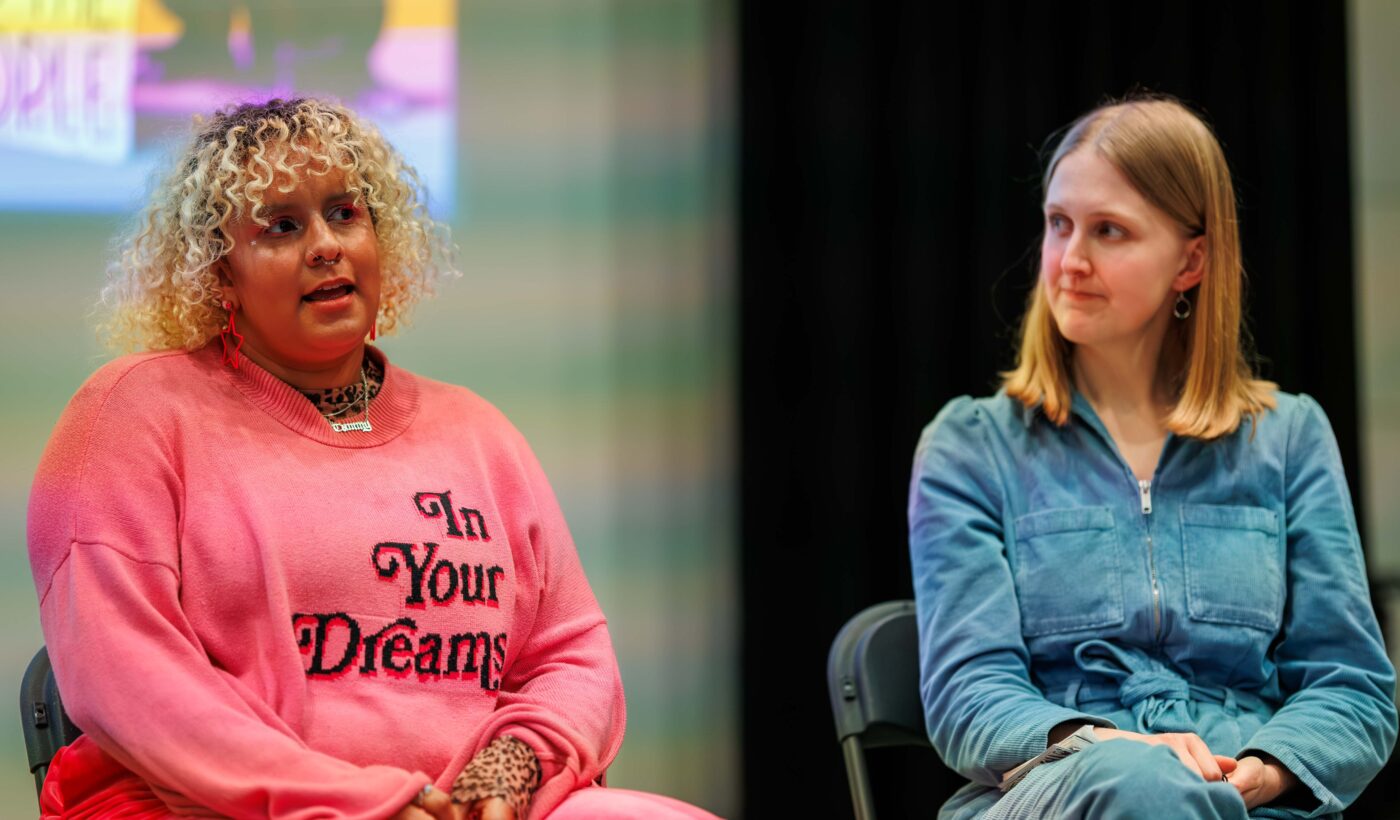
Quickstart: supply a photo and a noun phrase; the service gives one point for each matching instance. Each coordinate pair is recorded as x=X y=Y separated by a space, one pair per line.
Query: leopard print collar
x=335 y=399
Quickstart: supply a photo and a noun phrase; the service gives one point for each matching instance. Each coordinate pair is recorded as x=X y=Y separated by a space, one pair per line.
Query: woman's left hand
x=489 y=808
x=1259 y=781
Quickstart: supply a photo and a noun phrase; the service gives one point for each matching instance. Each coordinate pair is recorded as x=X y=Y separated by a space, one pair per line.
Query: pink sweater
x=260 y=616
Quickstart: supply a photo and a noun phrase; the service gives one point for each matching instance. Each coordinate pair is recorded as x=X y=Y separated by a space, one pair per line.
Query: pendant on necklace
x=348 y=426
x=363 y=424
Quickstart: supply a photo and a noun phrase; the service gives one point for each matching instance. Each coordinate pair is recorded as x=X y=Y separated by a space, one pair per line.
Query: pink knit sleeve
x=562 y=692
x=104 y=521
x=136 y=682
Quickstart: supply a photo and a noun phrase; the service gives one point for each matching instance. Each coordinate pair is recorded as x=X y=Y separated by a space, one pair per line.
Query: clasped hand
x=1258 y=780
x=438 y=805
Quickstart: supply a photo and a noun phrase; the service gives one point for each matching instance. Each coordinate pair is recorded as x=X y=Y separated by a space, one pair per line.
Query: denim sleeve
x=984 y=714
x=1338 y=723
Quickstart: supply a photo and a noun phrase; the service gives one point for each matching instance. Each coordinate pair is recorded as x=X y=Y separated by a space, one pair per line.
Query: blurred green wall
x=593 y=201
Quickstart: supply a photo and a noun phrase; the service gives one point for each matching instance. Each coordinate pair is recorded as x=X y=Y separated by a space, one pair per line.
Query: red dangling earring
x=230 y=329
x=374 y=330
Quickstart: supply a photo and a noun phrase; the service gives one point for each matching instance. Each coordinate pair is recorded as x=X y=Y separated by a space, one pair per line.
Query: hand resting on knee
x=1258 y=778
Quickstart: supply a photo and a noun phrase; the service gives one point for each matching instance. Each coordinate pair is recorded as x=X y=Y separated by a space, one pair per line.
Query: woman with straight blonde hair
x=1139 y=582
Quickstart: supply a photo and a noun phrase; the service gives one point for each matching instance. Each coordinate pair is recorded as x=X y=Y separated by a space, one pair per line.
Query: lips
x=329 y=291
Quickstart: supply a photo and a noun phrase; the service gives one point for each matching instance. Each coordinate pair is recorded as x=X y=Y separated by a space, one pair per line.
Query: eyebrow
x=273 y=208
x=1098 y=212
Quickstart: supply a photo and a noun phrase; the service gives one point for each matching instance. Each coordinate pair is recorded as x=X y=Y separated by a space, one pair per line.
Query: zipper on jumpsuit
x=1145 y=497
x=1144 y=489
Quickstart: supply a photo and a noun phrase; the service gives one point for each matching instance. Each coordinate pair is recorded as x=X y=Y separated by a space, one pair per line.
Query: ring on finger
x=421 y=797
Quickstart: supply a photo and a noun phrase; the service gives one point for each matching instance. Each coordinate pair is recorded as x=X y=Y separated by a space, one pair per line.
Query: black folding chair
x=46 y=725
x=872 y=674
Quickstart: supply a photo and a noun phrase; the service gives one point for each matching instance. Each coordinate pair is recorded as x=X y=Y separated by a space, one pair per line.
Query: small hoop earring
x=1182 y=307
x=231 y=338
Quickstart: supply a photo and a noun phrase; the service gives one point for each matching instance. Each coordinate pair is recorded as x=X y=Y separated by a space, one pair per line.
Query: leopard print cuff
x=507 y=768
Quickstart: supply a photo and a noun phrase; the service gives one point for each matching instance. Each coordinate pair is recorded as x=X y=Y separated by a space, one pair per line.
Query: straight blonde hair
x=1171 y=157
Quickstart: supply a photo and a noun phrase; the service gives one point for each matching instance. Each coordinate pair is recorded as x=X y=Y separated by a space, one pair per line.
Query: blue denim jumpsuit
x=1226 y=597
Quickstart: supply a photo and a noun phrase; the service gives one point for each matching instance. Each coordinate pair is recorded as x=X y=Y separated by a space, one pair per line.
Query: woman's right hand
x=436 y=805
x=1189 y=748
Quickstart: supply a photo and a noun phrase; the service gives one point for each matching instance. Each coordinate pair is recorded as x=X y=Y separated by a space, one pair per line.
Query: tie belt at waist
x=1156 y=694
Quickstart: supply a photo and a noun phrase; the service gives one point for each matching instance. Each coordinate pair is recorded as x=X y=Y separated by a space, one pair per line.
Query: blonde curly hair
x=163 y=292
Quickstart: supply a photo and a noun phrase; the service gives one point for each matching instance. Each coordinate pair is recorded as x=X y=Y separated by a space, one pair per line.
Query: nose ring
x=321 y=260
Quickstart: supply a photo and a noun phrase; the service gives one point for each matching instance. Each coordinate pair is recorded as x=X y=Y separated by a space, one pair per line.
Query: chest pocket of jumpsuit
x=1067 y=570
x=1234 y=565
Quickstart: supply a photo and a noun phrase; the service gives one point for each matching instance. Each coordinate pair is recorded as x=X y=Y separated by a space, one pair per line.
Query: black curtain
x=889 y=215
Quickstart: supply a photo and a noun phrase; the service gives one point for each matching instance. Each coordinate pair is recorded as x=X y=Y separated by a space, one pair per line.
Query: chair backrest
x=46 y=726
x=872 y=674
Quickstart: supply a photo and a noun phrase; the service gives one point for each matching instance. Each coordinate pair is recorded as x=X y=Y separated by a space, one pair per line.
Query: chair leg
x=859 y=779
x=40 y=772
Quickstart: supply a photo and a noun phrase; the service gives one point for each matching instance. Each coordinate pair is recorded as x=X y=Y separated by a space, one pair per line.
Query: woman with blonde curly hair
x=279 y=576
